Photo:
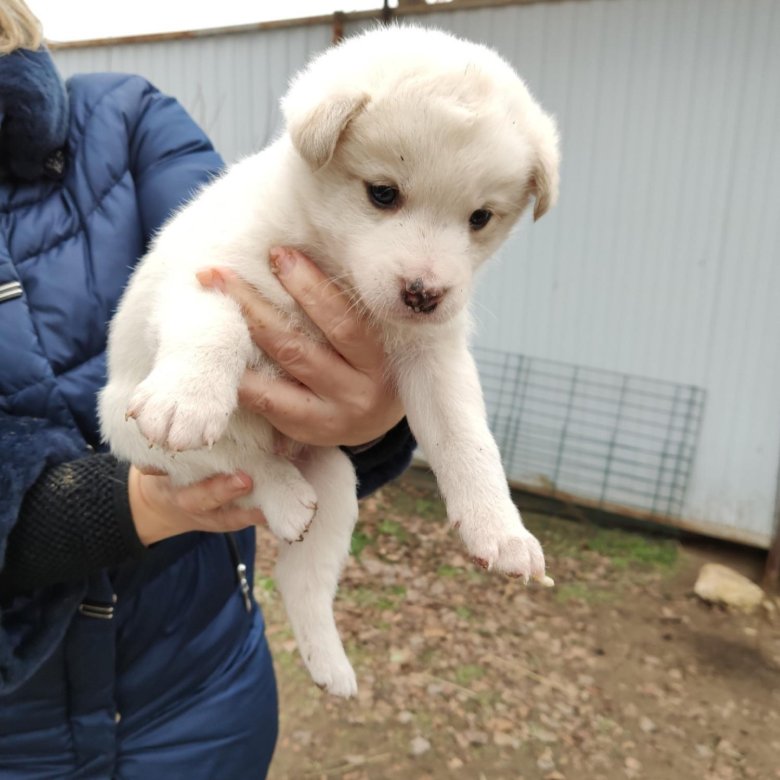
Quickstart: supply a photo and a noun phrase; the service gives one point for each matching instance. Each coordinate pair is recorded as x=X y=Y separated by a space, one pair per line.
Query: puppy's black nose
x=420 y=298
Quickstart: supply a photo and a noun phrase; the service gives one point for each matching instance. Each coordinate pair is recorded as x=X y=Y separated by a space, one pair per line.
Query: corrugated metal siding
x=230 y=84
x=661 y=259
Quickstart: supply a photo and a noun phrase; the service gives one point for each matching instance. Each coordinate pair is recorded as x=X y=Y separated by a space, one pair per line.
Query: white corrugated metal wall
x=661 y=259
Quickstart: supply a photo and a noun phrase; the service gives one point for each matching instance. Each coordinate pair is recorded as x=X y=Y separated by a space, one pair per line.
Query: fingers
x=338 y=392
x=151 y=471
x=312 y=363
x=213 y=493
x=161 y=510
x=292 y=409
x=303 y=416
x=329 y=308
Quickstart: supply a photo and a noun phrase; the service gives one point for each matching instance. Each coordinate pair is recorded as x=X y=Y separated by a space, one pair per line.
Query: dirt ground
x=618 y=672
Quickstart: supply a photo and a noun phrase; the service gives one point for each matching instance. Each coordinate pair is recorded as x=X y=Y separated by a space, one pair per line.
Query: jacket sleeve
x=171 y=158
x=31 y=625
x=74 y=521
x=383 y=461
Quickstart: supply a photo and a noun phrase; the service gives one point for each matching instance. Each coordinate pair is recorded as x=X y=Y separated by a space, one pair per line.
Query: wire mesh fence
x=613 y=438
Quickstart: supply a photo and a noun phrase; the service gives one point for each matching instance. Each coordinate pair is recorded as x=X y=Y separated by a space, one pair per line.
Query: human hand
x=342 y=395
x=161 y=510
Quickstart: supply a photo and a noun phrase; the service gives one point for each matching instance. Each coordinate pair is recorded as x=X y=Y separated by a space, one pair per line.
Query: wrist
x=151 y=524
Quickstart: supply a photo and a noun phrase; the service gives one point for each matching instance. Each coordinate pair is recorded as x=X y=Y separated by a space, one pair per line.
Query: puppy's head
x=421 y=151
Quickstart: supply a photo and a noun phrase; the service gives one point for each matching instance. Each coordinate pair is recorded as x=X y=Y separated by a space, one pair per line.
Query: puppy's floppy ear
x=544 y=174
x=316 y=133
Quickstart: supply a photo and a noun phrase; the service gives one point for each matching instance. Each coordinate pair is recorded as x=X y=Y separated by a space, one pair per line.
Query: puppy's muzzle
x=420 y=298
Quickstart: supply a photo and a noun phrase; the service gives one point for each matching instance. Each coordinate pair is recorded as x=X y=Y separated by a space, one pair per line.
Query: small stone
x=543 y=735
x=704 y=751
x=632 y=765
x=545 y=761
x=400 y=655
x=500 y=739
x=725 y=748
x=419 y=745
x=454 y=763
x=646 y=725
x=630 y=710
x=500 y=724
x=476 y=737
x=405 y=717
x=719 y=584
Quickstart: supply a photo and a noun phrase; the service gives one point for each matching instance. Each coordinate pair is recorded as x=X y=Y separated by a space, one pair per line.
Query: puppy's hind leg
x=287 y=499
x=307 y=572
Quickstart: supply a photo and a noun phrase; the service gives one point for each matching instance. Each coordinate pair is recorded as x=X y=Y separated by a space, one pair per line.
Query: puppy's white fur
x=453 y=128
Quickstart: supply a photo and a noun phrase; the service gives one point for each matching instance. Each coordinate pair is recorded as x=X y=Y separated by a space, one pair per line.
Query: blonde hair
x=19 y=27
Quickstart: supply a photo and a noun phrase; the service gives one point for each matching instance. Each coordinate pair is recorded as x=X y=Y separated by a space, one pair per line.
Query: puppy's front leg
x=203 y=347
x=443 y=401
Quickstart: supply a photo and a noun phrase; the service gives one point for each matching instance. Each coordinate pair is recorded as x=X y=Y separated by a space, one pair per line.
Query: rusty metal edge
x=700 y=528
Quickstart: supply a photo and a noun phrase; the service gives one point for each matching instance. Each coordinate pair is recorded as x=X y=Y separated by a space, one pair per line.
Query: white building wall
x=662 y=258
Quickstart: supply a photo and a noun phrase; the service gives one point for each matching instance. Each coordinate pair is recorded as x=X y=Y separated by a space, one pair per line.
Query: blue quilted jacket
x=179 y=683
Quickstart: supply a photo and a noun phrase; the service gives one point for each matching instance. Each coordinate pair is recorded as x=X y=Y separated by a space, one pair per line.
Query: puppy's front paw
x=180 y=414
x=497 y=539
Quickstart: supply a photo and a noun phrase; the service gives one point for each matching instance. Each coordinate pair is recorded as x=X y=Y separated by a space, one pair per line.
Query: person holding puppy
x=130 y=645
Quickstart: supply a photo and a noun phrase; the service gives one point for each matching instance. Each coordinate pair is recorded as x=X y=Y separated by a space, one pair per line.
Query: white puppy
x=408 y=156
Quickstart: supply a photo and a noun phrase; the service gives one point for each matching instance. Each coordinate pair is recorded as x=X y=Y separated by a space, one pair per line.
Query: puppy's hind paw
x=337 y=680
x=290 y=510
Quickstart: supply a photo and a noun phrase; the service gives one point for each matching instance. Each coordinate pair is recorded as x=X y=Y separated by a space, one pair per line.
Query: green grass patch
x=266 y=584
x=445 y=570
x=377 y=598
x=576 y=591
x=468 y=673
x=430 y=508
x=392 y=528
x=627 y=549
x=359 y=543
x=409 y=503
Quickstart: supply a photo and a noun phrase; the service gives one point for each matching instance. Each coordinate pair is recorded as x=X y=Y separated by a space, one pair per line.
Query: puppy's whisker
x=478 y=320
x=483 y=308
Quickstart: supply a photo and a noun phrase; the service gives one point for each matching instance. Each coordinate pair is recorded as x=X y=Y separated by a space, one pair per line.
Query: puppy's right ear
x=316 y=133
x=545 y=176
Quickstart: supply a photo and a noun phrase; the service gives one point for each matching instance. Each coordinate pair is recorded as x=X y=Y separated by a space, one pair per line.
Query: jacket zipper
x=240 y=567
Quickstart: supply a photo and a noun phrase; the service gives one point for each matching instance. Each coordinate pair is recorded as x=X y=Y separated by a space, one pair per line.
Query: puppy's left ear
x=544 y=175
x=316 y=133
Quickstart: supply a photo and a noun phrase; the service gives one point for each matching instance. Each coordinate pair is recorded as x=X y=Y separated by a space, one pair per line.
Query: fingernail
x=282 y=260
x=211 y=277
x=240 y=481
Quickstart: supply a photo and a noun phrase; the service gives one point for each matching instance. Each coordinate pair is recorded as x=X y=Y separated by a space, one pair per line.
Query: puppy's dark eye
x=479 y=218
x=383 y=196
